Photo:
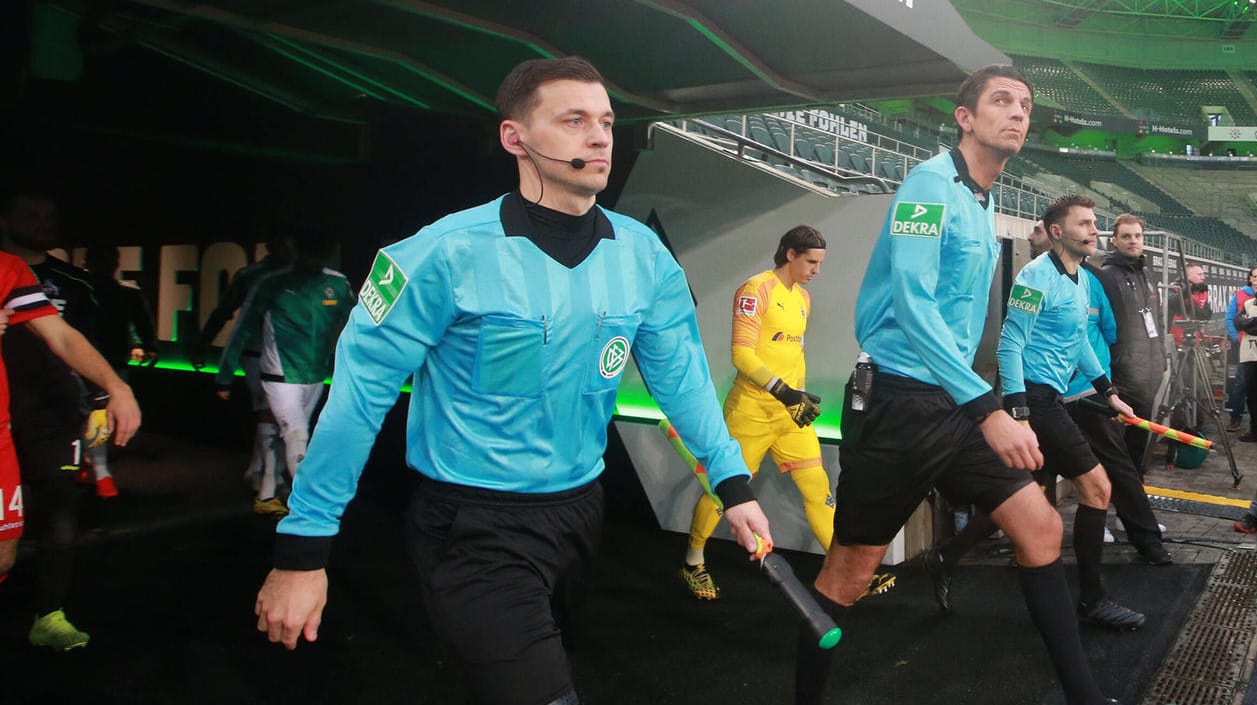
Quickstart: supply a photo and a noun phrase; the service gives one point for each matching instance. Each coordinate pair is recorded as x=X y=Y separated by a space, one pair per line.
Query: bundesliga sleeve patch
x=382 y=288
x=748 y=305
x=918 y=219
x=1026 y=299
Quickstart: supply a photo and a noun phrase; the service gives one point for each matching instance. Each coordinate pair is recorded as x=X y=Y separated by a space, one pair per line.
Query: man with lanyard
x=916 y=415
x=1104 y=437
x=516 y=319
x=1043 y=343
x=1139 y=352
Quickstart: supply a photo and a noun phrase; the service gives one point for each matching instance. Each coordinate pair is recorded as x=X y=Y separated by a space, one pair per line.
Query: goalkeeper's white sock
x=694 y=556
x=99 y=458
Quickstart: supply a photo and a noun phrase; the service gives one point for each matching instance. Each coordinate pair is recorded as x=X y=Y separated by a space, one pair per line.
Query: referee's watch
x=1020 y=413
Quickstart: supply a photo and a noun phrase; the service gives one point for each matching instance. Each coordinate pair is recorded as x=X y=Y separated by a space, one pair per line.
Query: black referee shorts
x=1065 y=449
x=913 y=437
x=501 y=575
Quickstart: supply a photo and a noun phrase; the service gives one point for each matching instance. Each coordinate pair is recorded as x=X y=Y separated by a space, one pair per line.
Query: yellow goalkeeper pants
x=760 y=429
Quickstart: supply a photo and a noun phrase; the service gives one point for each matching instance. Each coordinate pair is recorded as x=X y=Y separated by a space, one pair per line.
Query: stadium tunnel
x=186 y=132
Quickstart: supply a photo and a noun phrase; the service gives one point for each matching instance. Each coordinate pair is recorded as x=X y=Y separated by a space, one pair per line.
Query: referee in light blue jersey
x=1043 y=345
x=917 y=416
x=516 y=319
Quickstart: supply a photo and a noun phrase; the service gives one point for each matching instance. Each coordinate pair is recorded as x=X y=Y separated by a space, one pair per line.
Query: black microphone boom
x=576 y=163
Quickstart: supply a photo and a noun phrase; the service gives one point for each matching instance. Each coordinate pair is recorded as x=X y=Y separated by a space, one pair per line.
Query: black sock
x=979 y=527
x=1088 y=545
x=1052 y=611
x=813 y=664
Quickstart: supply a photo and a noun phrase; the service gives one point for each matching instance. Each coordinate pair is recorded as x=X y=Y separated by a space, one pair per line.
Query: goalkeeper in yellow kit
x=768 y=409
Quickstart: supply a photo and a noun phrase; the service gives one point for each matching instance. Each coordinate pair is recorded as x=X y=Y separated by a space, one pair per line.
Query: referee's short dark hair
x=800 y=238
x=517 y=96
x=1056 y=212
x=973 y=86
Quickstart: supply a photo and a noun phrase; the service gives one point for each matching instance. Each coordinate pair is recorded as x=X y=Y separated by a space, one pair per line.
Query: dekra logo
x=918 y=219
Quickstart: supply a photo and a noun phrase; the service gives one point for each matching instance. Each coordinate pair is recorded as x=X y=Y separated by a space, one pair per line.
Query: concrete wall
x=723 y=219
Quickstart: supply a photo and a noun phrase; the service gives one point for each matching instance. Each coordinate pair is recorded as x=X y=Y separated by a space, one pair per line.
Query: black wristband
x=980 y=407
x=1015 y=400
x=735 y=490
x=1104 y=386
x=294 y=552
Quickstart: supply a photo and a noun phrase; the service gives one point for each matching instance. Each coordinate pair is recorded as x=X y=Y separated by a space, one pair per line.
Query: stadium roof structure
x=349 y=60
x=1136 y=33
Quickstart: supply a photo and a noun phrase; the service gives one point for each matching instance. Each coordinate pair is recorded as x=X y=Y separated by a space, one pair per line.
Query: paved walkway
x=169 y=484
x=1199 y=508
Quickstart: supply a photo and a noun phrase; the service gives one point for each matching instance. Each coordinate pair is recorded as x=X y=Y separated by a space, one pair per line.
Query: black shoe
x=939 y=579
x=1155 y=555
x=1108 y=613
x=1247 y=525
x=1250 y=437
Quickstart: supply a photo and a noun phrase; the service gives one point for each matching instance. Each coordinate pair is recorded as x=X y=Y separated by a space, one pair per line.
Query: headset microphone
x=576 y=163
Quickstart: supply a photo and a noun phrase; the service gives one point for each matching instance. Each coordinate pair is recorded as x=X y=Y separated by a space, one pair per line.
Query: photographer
x=1189 y=301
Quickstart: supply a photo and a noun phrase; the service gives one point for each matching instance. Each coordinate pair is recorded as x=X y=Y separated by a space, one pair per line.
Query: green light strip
x=179 y=365
x=632 y=405
x=447 y=86
x=636 y=404
x=312 y=63
x=734 y=53
x=222 y=76
x=351 y=71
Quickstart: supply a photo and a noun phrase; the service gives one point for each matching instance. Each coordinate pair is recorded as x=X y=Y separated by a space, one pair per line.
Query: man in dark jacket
x=1139 y=353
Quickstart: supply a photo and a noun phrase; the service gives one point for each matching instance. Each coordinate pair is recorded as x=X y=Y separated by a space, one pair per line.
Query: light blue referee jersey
x=516 y=360
x=1045 y=333
x=1101 y=332
x=912 y=321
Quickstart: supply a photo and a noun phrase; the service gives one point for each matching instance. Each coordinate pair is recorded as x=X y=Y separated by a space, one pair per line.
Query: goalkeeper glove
x=97 y=431
x=802 y=406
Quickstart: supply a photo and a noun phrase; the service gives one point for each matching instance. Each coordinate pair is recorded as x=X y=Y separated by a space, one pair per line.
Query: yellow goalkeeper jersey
x=769 y=321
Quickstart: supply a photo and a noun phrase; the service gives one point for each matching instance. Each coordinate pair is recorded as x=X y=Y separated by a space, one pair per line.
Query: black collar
x=1060 y=266
x=982 y=195
x=514 y=215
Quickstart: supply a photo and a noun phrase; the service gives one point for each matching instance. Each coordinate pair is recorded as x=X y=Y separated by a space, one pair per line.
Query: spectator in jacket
x=1243 y=323
x=1239 y=389
x=1139 y=353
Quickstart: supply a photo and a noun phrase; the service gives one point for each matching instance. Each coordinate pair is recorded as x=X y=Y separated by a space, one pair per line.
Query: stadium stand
x=1171 y=95
x=1236 y=247
x=796 y=146
x=1097 y=171
x=1222 y=193
x=1059 y=84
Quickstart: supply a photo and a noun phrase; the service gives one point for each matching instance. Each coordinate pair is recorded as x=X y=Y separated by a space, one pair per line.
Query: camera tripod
x=1187 y=396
